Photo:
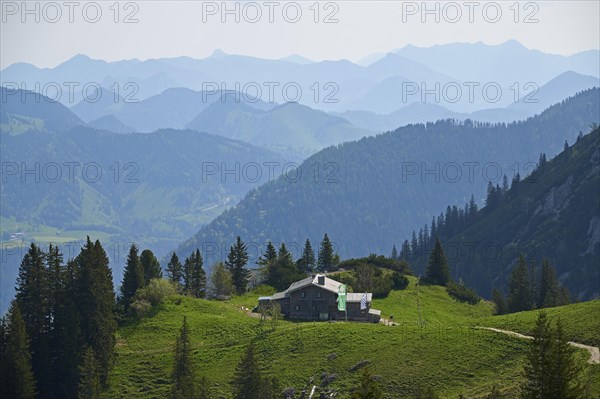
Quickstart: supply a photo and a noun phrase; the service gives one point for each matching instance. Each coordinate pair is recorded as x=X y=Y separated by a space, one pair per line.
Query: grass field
x=581 y=321
x=446 y=353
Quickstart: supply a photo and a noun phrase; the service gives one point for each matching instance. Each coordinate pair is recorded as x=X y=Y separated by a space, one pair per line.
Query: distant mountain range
x=368 y=193
x=329 y=85
x=535 y=101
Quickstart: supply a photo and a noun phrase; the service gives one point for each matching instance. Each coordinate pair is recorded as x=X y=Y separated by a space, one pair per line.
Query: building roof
x=329 y=285
x=375 y=311
x=264 y=298
x=357 y=296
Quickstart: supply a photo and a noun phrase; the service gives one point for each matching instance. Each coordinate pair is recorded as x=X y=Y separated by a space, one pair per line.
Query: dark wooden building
x=315 y=298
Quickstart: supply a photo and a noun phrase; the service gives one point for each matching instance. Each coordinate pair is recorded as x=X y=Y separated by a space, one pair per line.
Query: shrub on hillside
x=462 y=293
x=399 y=281
x=156 y=291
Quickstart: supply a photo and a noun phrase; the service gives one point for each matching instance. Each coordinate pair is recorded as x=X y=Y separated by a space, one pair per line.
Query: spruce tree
x=33 y=293
x=394 y=254
x=437 y=271
x=150 y=265
x=367 y=387
x=237 y=259
x=17 y=377
x=247 y=379
x=89 y=381
x=96 y=304
x=566 y=367
x=498 y=300
x=551 y=370
x=283 y=253
x=198 y=287
x=519 y=287
x=549 y=292
x=203 y=388
x=175 y=270
x=269 y=256
x=67 y=339
x=133 y=276
x=183 y=375
x=307 y=262
x=326 y=259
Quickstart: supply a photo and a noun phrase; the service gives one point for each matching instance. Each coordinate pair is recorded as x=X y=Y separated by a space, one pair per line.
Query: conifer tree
x=326 y=258
x=18 y=381
x=175 y=270
x=133 y=276
x=498 y=300
x=394 y=254
x=307 y=262
x=519 y=287
x=183 y=375
x=437 y=271
x=283 y=253
x=150 y=265
x=237 y=259
x=269 y=256
x=198 y=286
x=247 y=379
x=405 y=251
x=89 y=382
x=549 y=292
x=96 y=304
x=551 y=370
x=367 y=388
x=33 y=293
x=566 y=367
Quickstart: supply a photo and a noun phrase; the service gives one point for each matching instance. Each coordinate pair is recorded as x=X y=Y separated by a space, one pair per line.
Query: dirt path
x=594 y=351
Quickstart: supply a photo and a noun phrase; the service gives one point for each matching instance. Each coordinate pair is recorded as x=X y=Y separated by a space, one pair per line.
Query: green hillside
x=580 y=319
x=445 y=354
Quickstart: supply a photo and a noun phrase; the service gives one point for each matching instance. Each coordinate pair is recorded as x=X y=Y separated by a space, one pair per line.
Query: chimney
x=321 y=280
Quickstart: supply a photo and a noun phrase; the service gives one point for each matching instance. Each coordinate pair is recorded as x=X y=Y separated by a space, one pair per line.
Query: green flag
x=342 y=298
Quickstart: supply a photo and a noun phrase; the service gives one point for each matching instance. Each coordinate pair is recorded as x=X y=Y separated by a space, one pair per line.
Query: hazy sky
x=274 y=29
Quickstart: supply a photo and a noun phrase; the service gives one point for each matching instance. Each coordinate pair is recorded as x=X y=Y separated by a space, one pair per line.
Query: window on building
x=319 y=294
x=297 y=307
x=303 y=294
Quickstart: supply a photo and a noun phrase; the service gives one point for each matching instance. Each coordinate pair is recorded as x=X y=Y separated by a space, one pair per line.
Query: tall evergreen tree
x=133 y=276
x=519 y=287
x=33 y=293
x=566 y=367
x=247 y=379
x=437 y=271
x=414 y=246
x=198 y=286
x=326 y=258
x=549 y=293
x=394 y=254
x=367 y=388
x=96 y=303
x=183 y=374
x=237 y=259
x=67 y=339
x=283 y=253
x=175 y=270
x=203 y=388
x=269 y=256
x=89 y=382
x=551 y=370
x=150 y=265
x=307 y=262
x=498 y=300
x=405 y=251
x=18 y=381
